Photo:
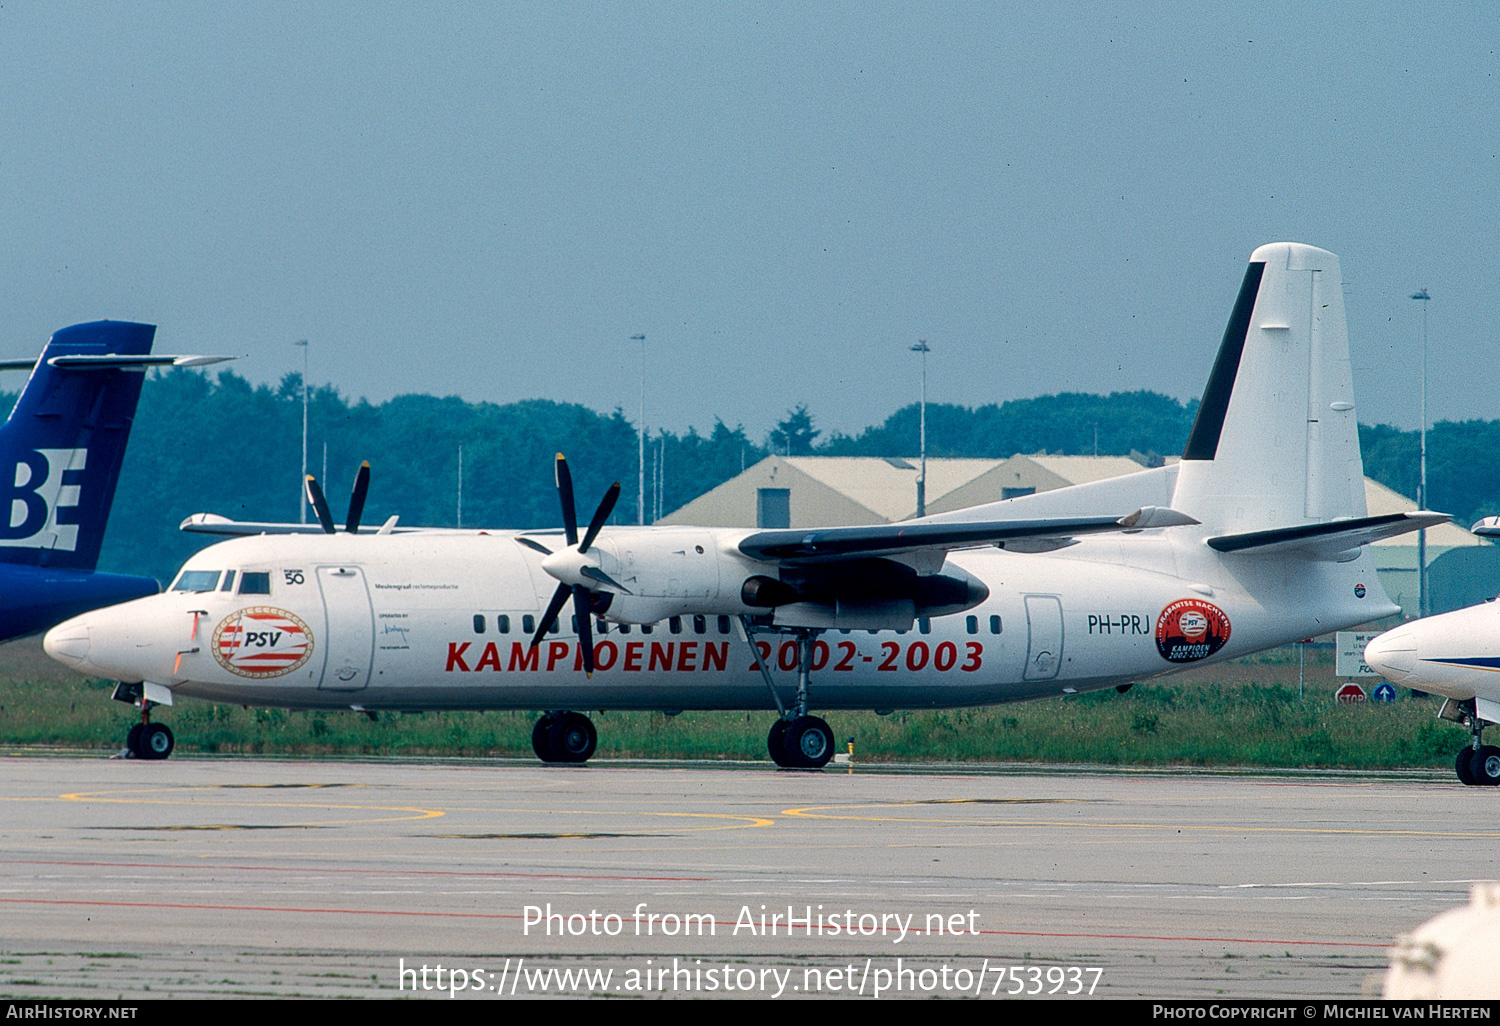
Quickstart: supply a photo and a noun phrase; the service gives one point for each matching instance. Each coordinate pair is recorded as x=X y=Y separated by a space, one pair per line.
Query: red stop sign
x=1350 y=693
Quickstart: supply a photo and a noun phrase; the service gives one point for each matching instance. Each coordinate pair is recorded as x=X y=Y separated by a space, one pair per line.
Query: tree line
x=216 y=443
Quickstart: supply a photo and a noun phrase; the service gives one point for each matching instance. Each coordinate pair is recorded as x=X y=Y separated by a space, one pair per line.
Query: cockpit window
x=253 y=583
x=197 y=580
x=228 y=584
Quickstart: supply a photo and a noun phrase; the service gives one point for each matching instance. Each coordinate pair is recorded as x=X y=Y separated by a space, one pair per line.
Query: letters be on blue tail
x=60 y=455
x=62 y=447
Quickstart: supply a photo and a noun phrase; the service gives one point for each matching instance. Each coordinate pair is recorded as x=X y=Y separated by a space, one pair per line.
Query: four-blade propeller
x=356 y=501
x=582 y=596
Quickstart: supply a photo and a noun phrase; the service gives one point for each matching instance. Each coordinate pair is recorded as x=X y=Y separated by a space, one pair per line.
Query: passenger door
x=349 y=628
x=1044 y=637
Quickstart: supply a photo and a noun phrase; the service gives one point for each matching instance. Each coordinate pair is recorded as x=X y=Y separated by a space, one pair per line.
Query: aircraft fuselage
x=444 y=621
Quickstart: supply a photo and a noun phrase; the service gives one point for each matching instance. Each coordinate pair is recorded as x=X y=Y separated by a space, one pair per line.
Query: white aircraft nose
x=1393 y=654
x=68 y=643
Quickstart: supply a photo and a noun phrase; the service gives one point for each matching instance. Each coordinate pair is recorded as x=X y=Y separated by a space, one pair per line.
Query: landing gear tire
x=1484 y=766
x=133 y=740
x=1461 y=765
x=808 y=743
x=540 y=738
x=564 y=737
x=573 y=738
x=156 y=741
x=774 y=744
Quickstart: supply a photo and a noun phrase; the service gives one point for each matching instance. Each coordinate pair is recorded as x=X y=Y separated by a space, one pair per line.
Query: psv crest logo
x=1191 y=629
x=262 y=641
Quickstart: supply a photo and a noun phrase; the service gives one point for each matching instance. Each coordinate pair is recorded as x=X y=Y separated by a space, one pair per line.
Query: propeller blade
x=606 y=507
x=594 y=573
x=357 y=500
x=320 y=505
x=535 y=545
x=553 y=608
x=585 y=628
x=565 y=493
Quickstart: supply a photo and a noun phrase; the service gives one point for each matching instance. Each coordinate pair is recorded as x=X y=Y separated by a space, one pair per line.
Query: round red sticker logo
x=1190 y=629
x=262 y=641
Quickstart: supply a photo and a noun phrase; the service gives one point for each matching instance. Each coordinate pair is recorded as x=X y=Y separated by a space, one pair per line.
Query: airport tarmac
x=251 y=876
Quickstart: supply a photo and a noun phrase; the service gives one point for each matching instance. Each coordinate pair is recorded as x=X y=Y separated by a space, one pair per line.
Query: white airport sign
x=1350 y=658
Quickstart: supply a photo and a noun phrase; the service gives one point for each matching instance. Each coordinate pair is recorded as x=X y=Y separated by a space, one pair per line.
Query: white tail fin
x=1276 y=443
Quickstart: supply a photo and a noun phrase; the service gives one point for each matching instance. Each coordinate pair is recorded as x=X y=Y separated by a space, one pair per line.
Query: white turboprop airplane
x=1257 y=538
x=1456 y=655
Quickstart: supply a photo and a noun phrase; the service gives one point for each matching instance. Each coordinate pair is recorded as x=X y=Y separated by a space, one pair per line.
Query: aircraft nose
x=68 y=643
x=1393 y=654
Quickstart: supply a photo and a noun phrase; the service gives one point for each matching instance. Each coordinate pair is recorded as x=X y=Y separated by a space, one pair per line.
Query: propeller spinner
x=561 y=563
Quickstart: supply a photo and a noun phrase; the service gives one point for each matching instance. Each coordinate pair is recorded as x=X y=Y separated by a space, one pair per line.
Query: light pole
x=302 y=482
x=924 y=349
x=1422 y=296
x=640 y=494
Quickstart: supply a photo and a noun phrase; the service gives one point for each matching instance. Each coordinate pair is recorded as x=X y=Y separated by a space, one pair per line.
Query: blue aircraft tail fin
x=63 y=444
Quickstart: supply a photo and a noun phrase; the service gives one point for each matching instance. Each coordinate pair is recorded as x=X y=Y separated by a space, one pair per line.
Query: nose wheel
x=1478 y=764
x=148 y=740
x=1483 y=766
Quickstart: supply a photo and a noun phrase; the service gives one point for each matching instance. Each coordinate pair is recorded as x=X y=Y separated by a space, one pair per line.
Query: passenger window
x=624 y=628
x=675 y=625
x=700 y=625
x=603 y=626
x=197 y=580
x=924 y=625
x=994 y=625
x=228 y=584
x=971 y=624
x=255 y=583
x=502 y=623
x=478 y=623
x=723 y=625
x=528 y=624
x=645 y=628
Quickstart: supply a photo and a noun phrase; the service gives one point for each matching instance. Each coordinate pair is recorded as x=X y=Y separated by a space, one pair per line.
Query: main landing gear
x=796 y=740
x=564 y=737
x=146 y=740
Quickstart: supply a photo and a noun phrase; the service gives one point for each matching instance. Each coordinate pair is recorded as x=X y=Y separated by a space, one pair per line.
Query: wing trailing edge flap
x=819 y=545
x=1333 y=540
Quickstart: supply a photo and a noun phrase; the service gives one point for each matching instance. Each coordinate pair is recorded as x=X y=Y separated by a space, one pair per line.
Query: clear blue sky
x=488 y=199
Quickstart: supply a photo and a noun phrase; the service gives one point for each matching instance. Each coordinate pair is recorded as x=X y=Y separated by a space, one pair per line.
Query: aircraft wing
x=1487 y=527
x=1327 y=540
x=830 y=544
x=212 y=523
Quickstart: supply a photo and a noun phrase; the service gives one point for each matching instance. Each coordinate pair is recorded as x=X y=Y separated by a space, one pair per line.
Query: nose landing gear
x=146 y=740
x=1477 y=764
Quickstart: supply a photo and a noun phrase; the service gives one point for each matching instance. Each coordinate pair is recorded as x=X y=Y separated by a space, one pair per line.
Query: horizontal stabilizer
x=114 y=361
x=835 y=543
x=1328 y=540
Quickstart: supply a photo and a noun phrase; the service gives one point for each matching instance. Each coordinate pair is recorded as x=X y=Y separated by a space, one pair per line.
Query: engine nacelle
x=648 y=576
